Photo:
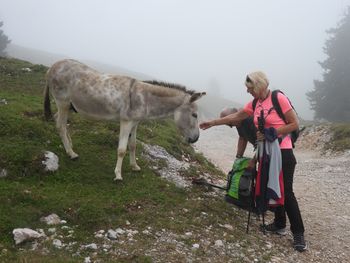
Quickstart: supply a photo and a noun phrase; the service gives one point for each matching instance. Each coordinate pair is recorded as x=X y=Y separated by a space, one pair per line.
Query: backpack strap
x=277 y=105
x=254 y=104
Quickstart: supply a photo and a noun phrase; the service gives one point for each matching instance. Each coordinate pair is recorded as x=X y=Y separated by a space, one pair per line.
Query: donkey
x=113 y=97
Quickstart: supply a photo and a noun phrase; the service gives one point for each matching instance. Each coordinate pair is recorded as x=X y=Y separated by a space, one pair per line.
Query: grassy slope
x=82 y=192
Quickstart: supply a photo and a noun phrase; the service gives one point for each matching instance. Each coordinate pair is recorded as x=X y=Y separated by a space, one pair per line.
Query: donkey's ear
x=196 y=96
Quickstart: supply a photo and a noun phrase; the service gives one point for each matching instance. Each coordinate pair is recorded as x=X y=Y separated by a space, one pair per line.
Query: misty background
x=204 y=45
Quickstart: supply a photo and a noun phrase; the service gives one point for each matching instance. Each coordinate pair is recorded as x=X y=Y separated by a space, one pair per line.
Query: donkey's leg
x=132 y=149
x=125 y=129
x=61 y=123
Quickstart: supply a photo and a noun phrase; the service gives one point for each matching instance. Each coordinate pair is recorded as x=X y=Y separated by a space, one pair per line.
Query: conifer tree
x=330 y=98
x=4 y=40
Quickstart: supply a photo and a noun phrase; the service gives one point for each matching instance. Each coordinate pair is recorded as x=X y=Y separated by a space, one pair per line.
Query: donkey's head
x=186 y=118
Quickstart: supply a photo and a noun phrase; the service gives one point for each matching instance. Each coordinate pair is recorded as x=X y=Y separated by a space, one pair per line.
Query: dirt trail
x=322 y=187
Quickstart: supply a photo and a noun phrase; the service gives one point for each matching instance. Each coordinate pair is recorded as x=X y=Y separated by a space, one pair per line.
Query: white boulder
x=51 y=162
x=25 y=234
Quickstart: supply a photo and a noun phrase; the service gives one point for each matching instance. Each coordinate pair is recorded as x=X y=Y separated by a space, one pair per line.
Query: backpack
x=240 y=185
x=276 y=105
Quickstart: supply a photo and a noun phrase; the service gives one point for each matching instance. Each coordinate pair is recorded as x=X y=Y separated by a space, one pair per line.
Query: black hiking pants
x=290 y=207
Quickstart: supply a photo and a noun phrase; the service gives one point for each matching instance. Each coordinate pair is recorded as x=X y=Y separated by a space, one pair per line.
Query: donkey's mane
x=169 y=85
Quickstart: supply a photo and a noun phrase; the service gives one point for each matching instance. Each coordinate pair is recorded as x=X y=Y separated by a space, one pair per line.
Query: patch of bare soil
x=321 y=185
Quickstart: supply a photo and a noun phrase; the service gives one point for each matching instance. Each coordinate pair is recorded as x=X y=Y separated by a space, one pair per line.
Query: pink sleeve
x=284 y=102
x=248 y=108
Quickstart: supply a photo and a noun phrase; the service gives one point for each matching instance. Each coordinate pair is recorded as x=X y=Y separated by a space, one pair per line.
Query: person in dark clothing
x=246 y=130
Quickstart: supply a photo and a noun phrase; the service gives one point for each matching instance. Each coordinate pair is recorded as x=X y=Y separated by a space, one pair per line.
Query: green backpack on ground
x=240 y=184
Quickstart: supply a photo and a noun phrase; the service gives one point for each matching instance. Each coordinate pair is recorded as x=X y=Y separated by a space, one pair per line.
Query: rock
x=229 y=227
x=91 y=246
x=146 y=232
x=25 y=234
x=52 y=230
x=3 y=173
x=171 y=171
x=195 y=246
x=120 y=231
x=51 y=162
x=219 y=243
x=111 y=234
x=188 y=234
x=52 y=219
x=57 y=243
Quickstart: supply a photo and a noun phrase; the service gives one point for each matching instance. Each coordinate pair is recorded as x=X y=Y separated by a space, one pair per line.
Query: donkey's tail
x=47 y=105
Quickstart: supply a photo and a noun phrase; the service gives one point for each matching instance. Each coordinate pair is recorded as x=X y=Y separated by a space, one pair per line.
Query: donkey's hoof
x=74 y=157
x=135 y=168
x=117 y=178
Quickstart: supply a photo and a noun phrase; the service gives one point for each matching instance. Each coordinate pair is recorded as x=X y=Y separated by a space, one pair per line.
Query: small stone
x=219 y=243
x=195 y=246
x=111 y=234
x=120 y=231
x=57 y=243
x=52 y=219
x=3 y=173
x=51 y=230
x=91 y=246
x=229 y=227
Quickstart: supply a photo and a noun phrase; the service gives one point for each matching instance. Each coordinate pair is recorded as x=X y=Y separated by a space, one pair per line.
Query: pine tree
x=4 y=40
x=330 y=98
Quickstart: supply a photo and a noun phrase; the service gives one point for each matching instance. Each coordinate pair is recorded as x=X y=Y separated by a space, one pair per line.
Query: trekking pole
x=202 y=181
x=251 y=202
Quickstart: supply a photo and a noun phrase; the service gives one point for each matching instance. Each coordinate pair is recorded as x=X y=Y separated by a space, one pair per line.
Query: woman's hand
x=206 y=125
x=260 y=136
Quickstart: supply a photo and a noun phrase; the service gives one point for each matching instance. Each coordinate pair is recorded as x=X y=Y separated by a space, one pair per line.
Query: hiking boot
x=299 y=243
x=272 y=228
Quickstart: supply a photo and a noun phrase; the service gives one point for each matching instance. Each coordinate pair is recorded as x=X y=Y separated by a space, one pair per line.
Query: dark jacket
x=247 y=130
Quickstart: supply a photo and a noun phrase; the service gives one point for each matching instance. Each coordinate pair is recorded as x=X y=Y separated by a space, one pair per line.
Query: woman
x=257 y=85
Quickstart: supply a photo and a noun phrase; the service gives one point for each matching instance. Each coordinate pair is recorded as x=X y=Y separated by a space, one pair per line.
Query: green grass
x=340 y=140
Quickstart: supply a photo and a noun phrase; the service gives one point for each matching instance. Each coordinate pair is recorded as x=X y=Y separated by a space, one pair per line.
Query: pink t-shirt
x=271 y=117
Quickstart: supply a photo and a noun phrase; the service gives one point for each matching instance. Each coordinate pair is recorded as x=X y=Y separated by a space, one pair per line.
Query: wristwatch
x=238 y=156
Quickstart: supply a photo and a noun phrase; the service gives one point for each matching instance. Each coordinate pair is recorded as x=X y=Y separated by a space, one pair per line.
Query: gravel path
x=321 y=185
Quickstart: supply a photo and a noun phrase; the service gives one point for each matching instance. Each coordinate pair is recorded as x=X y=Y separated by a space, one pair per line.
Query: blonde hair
x=257 y=80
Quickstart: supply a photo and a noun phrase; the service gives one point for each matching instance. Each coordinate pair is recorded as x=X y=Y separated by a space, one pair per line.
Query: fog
x=203 y=44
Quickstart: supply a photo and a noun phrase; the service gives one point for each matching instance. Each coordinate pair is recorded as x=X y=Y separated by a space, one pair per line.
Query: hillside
x=46 y=58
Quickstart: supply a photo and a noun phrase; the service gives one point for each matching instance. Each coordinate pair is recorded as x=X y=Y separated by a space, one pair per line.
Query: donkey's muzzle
x=192 y=140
